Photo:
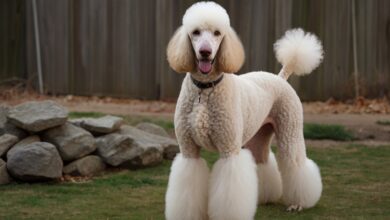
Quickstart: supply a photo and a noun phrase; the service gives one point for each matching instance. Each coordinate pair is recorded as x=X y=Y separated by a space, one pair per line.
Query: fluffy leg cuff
x=186 y=196
x=270 y=182
x=233 y=188
x=302 y=186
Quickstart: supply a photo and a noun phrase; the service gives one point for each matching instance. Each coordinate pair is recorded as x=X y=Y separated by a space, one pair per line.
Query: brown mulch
x=357 y=106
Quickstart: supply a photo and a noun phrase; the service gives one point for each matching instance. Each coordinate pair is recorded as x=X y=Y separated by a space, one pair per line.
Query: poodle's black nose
x=205 y=52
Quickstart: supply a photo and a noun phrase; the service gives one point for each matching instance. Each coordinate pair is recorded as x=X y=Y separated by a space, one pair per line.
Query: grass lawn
x=325 y=131
x=383 y=122
x=356 y=186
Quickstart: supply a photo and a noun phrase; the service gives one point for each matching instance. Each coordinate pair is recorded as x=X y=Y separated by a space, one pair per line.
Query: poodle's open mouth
x=205 y=65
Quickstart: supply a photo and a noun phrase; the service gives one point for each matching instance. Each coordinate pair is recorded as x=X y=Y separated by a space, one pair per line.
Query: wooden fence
x=117 y=48
x=12 y=40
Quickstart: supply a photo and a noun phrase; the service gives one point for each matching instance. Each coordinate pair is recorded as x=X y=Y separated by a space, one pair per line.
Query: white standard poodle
x=237 y=117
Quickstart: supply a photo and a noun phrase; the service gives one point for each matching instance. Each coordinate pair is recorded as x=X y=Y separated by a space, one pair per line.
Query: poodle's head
x=205 y=44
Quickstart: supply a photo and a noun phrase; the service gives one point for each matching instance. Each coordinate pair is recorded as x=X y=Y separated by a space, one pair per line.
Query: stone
x=169 y=146
x=76 y=121
x=103 y=125
x=22 y=144
x=152 y=129
x=116 y=149
x=9 y=128
x=5 y=178
x=38 y=161
x=150 y=156
x=131 y=147
x=71 y=141
x=170 y=151
x=86 y=166
x=37 y=116
x=6 y=142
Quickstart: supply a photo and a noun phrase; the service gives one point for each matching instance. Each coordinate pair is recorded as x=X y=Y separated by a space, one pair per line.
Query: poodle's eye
x=217 y=33
x=196 y=32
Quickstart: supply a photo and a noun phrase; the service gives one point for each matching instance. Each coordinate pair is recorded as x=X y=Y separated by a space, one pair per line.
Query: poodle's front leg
x=186 y=196
x=187 y=192
x=233 y=187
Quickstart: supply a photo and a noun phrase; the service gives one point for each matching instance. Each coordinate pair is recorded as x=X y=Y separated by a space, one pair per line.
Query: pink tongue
x=204 y=66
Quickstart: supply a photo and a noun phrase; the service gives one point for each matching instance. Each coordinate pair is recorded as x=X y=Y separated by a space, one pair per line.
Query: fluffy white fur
x=270 y=182
x=299 y=52
x=186 y=197
x=302 y=185
x=231 y=114
x=205 y=14
x=233 y=188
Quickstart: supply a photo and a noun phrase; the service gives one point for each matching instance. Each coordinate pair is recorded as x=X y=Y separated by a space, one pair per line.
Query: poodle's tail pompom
x=298 y=52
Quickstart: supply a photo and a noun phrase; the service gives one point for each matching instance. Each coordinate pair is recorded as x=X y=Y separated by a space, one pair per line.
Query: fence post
x=355 y=61
x=38 y=46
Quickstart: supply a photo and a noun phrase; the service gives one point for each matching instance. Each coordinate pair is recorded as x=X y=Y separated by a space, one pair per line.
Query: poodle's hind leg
x=301 y=178
x=186 y=196
x=233 y=187
x=270 y=183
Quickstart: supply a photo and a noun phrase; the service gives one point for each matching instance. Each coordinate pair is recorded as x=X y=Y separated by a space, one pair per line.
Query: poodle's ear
x=179 y=52
x=231 y=53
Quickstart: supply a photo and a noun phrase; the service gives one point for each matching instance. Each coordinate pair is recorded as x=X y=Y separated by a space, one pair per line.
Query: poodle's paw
x=294 y=208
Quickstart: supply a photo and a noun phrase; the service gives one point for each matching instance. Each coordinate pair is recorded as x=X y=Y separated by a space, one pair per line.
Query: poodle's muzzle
x=205 y=44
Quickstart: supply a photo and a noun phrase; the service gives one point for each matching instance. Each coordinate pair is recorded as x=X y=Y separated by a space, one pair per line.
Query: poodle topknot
x=205 y=14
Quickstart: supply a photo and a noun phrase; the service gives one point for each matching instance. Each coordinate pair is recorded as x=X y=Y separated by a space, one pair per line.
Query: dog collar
x=202 y=85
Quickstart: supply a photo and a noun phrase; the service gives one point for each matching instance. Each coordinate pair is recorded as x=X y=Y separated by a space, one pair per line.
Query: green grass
x=383 y=122
x=324 y=131
x=356 y=183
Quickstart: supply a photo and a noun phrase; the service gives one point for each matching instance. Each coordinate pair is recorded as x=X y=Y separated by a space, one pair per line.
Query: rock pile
x=38 y=142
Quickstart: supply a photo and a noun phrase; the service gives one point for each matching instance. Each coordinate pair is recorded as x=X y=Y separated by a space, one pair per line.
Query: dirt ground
x=359 y=116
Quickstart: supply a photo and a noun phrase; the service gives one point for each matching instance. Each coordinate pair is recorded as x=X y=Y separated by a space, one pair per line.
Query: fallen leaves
x=359 y=105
